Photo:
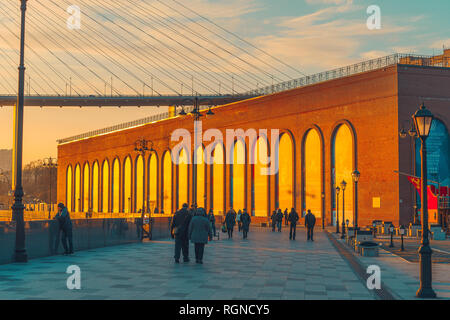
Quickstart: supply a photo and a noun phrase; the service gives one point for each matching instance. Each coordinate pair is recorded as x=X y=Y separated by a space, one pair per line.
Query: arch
x=152 y=190
x=218 y=180
x=105 y=186
x=77 y=189
x=115 y=187
x=285 y=194
x=238 y=175
x=69 y=187
x=127 y=185
x=312 y=171
x=343 y=163
x=167 y=182
x=260 y=177
x=201 y=177
x=182 y=178
x=139 y=180
x=86 y=187
x=95 y=187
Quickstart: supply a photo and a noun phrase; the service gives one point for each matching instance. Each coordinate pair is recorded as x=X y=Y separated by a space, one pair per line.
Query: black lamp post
x=141 y=146
x=323 y=210
x=343 y=185
x=402 y=233
x=196 y=114
x=423 y=119
x=355 y=176
x=337 y=209
x=20 y=254
x=391 y=231
x=50 y=163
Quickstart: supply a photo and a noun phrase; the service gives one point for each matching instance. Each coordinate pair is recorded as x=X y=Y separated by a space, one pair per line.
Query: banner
x=431 y=191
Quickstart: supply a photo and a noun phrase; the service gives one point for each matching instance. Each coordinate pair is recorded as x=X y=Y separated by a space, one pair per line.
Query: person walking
x=293 y=218
x=65 y=225
x=179 y=230
x=245 y=220
x=273 y=217
x=212 y=221
x=286 y=217
x=199 y=233
x=230 y=221
x=238 y=219
x=310 y=221
x=279 y=219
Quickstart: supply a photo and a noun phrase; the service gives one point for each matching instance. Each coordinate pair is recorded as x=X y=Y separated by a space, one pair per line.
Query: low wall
x=42 y=237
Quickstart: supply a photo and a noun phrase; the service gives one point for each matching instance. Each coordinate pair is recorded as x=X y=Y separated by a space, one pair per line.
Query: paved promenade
x=266 y=266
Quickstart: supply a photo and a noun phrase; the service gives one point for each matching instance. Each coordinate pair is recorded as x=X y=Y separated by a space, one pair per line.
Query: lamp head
x=422 y=120
x=338 y=190
x=356 y=175
x=343 y=185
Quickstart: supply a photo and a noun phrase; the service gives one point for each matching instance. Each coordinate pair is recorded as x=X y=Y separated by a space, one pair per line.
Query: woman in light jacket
x=199 y=233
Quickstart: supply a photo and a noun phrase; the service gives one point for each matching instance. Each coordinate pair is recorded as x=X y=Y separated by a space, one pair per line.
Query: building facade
x=325 y=132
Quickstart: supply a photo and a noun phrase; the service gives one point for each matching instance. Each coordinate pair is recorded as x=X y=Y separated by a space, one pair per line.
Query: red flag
x=432 y=198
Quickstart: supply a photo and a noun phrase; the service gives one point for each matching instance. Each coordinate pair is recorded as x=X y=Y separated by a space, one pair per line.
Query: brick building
x=332 y=124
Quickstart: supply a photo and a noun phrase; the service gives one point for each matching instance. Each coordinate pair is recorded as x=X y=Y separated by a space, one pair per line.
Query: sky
x=307 y=35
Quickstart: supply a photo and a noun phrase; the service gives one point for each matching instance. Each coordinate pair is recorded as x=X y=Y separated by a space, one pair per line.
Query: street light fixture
x=355 y=176
x=141 y=146
x=50 y=163
x=323 y=210
x=423 y=119
x=402 y=233
x=343 y=186
x=391 y=231
x=337 y=208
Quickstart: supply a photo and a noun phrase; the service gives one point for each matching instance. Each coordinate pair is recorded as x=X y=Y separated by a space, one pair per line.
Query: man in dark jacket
x=199 y=232
x=179 y=230
x=230 y=221
x=65 y=225
x=245 y=220
x=293 y=218
x=279 y=219
x=310 y=221
x=286 y=217
x=273 y=218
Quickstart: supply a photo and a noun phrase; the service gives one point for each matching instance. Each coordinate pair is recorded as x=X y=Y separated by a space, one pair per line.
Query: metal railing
x=374 y=64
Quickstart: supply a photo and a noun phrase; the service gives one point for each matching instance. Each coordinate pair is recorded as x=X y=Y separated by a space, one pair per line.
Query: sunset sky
x=309 y=35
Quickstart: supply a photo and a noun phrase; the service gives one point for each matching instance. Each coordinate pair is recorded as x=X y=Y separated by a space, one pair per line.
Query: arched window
x=105 y=187
x=77 y=188
x=201 y=171
x=342 y=168
x=218 y=181
x=139 y=184
x=182 y=178
x=86 y=187
x=95 y=187
x=167 y=183
x=312 y=173
x=285 y=175
x=260 y=177
x=116 y=186
x=153 y=182
x=69 y=183
x=238 y=176
x=127 y=200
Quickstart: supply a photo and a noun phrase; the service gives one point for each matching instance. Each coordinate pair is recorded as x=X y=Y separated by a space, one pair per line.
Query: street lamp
x=196 y=114
x=323 y=210
x=20 y=254
x=423 y=119
x=141 y=146
x=343 y=185
x=391 y=231
x=355 y=176
x=337 y=209
x=50 y=163
x=402 y=233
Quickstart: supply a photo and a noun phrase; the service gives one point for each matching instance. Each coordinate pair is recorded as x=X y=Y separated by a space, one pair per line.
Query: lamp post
x=20 y=254
x=343 y=185
x=337 y=209
x=423 y=119
x=141 y=146
x=323 y=210
x=196 y=114
x=402 y=233
x=391 y=231
x=50 y=163
x=355 y=176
